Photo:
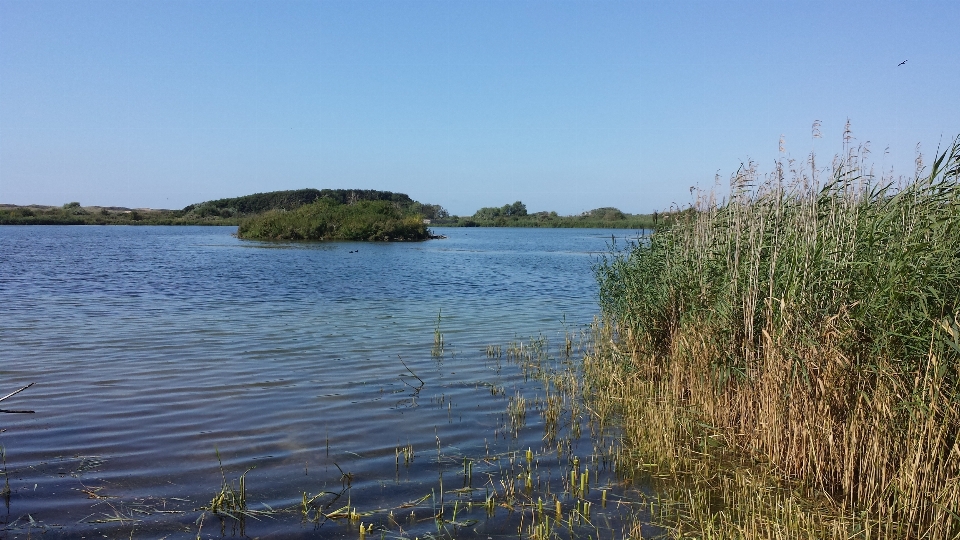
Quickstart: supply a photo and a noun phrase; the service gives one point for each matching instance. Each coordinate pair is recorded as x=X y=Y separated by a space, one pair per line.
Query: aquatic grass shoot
x=231 y=502
x=5 y=492
x=437 y=351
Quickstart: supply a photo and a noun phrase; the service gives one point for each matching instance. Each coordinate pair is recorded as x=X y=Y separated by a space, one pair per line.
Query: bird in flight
x=901 y=63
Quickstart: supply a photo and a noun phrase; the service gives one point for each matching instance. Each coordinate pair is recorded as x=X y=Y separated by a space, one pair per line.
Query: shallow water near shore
x=156 y=349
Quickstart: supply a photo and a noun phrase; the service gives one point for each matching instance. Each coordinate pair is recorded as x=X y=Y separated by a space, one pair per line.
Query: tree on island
x=517 y=209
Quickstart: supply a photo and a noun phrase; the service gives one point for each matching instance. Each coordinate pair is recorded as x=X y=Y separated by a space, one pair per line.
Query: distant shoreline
x=36 y=214
x=74 y=214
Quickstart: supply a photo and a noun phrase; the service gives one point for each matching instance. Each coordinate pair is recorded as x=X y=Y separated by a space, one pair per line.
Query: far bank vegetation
x=226 y=212
x=232 y=211
x=516 y=215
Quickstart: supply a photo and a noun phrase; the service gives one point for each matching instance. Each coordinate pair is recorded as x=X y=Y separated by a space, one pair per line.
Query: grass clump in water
x=326 y=219
x=789 y=359
x=231 y=502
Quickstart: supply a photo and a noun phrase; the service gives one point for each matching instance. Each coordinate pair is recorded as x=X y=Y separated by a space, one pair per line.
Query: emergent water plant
x=789 y=356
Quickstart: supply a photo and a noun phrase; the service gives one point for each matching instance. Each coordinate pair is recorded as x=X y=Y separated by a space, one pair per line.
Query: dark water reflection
x=155 y=347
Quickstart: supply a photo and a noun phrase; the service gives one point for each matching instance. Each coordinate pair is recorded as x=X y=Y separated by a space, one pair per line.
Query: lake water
x=157 y=349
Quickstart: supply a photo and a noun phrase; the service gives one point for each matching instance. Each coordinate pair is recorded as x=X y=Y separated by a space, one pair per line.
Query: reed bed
x=787 y=358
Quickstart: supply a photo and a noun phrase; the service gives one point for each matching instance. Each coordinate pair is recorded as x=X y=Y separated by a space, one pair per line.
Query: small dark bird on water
x=901 y=63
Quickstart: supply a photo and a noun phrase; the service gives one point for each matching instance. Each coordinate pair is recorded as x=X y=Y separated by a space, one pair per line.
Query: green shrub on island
x=327 y=219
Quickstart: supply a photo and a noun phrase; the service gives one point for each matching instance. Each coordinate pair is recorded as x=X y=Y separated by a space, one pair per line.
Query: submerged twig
x=11 y=394
x=411 y=372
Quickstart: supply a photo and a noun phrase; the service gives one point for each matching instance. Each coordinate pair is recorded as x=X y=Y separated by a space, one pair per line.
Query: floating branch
x=412 y=373
x=11 y=394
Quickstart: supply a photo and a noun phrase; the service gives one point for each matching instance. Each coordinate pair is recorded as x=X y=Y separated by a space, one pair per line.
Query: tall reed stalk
x=807 y=329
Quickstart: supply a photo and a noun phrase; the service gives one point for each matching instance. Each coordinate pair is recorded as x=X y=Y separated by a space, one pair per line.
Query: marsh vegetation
x=786 y=362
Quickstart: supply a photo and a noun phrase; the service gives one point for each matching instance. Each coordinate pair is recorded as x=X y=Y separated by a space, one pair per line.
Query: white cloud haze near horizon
x=565 y=105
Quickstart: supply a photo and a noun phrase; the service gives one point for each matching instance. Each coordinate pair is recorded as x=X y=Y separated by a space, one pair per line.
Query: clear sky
x=565 y=105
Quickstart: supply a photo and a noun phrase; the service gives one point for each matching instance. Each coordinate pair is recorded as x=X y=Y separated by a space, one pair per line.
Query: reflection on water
x=155 y=349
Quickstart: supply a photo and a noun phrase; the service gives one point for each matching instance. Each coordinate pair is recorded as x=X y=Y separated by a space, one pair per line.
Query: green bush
x=326 y=219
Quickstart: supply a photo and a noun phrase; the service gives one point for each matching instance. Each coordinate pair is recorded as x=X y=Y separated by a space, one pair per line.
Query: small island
x=328 y=219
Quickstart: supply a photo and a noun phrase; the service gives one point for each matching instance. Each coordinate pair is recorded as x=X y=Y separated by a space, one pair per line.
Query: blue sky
x=565 y=105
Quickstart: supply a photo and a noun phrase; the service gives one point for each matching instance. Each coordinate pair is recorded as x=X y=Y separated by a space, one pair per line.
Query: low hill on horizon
x=258 y=203
x=295 y=198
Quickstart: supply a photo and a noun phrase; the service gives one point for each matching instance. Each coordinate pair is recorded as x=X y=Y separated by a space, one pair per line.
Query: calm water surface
x=155 y=348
